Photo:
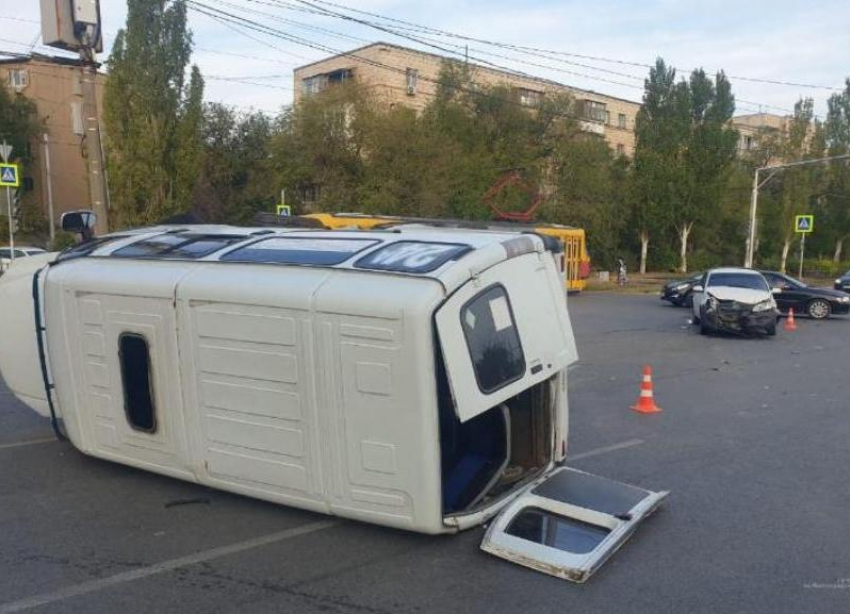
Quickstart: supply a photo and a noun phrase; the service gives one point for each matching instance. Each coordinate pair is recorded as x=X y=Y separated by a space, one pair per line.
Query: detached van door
x=505 y=331
x=569 y=522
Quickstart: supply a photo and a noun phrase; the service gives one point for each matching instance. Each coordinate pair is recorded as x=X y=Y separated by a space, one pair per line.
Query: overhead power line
x=537 y=49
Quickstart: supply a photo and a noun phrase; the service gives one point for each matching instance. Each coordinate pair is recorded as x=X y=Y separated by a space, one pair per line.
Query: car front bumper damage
x=740 y=318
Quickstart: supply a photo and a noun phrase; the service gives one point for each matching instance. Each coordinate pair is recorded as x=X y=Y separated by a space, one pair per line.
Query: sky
x=805 y=45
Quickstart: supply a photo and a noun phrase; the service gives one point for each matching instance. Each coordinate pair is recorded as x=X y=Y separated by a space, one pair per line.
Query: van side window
x=493 y=339
x=134 y=355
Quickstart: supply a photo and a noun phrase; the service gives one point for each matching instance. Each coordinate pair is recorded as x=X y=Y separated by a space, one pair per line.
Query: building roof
x=14 y=58
x=518 y=74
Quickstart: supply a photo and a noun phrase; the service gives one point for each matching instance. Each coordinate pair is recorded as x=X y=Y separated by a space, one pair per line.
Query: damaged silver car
x=734 y=300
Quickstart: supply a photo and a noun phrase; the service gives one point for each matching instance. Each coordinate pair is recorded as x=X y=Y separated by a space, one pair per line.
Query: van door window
x=493 y=340
x=134 y=356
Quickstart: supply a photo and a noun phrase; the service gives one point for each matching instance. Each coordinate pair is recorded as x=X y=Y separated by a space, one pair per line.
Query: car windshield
x=738 y=280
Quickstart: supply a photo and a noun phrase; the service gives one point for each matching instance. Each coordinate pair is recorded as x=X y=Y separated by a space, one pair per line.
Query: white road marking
x=83 y=588
x=31 y=442
x=630 y=443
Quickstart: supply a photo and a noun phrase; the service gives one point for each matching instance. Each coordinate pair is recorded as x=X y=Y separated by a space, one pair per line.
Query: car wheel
x=819 y=309
x=771 y=330
x=704 y=328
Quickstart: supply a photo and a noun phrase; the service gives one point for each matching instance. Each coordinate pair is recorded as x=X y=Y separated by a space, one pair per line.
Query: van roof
x=451 y=255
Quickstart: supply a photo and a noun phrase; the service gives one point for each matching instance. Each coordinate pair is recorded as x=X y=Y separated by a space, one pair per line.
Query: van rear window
x=299 y=250
x=493 y=340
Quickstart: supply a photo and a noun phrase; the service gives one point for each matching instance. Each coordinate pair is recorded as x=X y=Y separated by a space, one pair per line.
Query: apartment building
x=401 y=76
x=752 y=126
x=53 y=84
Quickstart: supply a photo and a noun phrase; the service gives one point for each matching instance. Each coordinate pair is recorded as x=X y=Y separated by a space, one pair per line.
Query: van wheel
x=819 y=309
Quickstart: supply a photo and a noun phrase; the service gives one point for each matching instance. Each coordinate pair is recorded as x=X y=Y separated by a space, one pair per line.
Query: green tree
x=707 y=158
x=152 y=115
x=837 y=197
x=797 y=186
x=684 y=155
x=236 y=179
x=21 y=127
x=661 y=129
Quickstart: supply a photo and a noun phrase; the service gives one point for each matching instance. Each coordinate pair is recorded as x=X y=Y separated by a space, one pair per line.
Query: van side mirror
x=80 y=222
x=697 y=288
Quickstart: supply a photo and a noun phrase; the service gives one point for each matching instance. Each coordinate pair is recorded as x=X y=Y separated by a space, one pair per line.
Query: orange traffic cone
x=790 y=324
x=645 y=403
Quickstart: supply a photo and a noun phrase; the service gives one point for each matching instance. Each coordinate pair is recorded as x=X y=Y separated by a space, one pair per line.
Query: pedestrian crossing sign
x=284 y=210
x=804 y=223
x=9 y=176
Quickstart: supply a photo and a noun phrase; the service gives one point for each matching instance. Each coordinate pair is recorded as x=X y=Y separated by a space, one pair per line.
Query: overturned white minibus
x=413 y=377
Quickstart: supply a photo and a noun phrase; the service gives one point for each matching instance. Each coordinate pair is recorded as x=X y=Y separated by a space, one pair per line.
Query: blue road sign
x=804 y=223
x=9 y=176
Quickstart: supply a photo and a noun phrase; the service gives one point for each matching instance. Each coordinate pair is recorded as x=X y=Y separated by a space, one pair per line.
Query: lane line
x=30 y=442
x=83 y=588
x=629 y=443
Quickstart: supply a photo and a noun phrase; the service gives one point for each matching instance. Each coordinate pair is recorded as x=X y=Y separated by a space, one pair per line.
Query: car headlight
x=838 y=281
x=765 y=305
x=844 y=299
x=681 y=287
x=711 y=303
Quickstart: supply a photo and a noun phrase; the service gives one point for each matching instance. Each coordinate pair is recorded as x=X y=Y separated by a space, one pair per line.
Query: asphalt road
x=753 y=442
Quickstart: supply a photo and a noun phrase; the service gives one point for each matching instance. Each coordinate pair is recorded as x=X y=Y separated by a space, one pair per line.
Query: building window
x=412 y=80
x=338 y=77
x=134 y=355
x=621 y=121
x=312 y=85
x=18 y=79
x=621 y=149
x=595 y=111
x=77 y=118
x=607 y=118
x=529 y=98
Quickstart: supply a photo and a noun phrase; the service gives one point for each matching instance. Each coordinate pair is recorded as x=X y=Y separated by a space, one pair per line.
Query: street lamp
x=751 y=238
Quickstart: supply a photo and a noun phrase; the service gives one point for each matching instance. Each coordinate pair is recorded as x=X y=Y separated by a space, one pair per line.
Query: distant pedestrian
x=622 y=279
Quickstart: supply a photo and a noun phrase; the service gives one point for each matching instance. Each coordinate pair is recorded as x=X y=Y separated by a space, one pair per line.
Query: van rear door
x=505 y=331
x=569 y=522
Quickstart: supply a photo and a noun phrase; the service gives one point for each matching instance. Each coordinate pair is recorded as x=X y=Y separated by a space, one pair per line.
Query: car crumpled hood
x=741 y=295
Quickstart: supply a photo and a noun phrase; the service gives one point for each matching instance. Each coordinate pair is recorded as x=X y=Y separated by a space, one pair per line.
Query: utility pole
x=94 y=146
x=751 y=235
x=49 y=183
x=75 y=25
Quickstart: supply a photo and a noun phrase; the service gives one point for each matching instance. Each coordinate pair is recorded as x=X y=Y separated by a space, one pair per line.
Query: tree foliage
x=152 y=114
x=21 y=127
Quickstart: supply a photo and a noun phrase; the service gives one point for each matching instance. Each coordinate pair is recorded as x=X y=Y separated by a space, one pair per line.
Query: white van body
x=413 y=378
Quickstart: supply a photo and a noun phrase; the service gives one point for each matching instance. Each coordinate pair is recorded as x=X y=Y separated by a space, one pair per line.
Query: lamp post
x=775 y=168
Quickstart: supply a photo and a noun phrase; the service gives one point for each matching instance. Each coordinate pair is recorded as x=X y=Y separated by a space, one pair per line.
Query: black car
x=679 y=292
x=817 y=303
x=843 y=282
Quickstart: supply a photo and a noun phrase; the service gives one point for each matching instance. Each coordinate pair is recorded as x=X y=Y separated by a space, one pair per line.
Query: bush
x=62 y=240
